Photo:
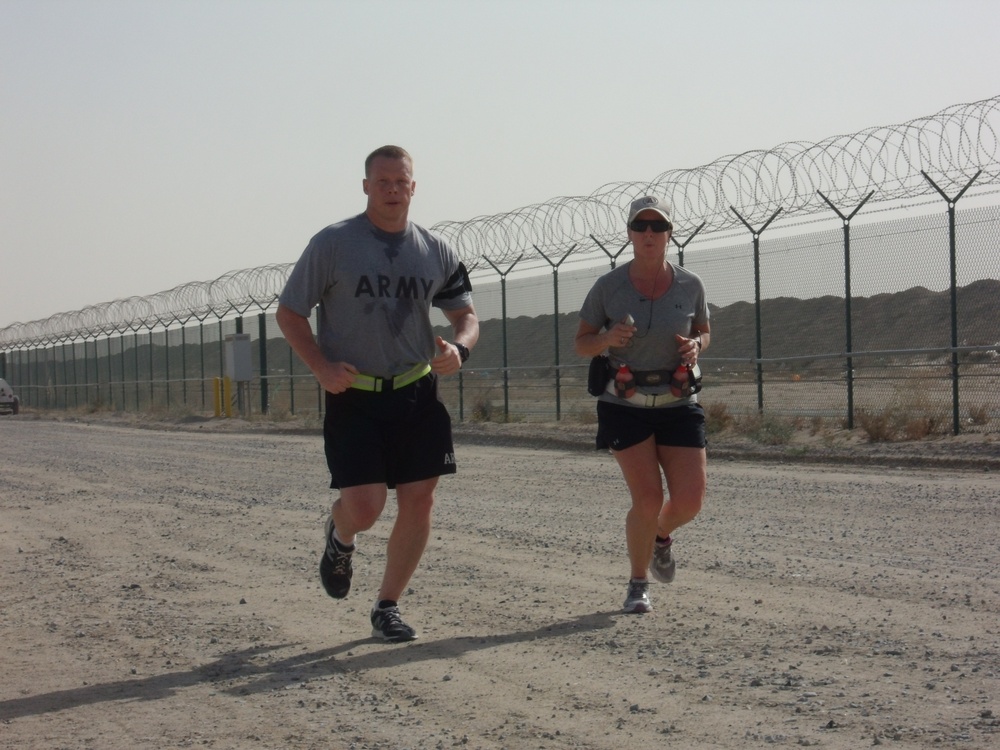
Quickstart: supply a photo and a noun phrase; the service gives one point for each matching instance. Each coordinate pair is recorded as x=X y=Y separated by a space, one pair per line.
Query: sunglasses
x=657 y=225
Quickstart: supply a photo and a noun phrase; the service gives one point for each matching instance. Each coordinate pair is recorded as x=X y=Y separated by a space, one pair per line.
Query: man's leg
x=357 y=509
x=409 y=536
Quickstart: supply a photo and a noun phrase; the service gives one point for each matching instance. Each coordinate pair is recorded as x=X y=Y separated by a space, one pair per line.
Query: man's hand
x=336 y=377
x=449 y=361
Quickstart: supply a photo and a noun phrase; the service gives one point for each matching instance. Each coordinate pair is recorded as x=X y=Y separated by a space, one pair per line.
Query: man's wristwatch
x=463 y=351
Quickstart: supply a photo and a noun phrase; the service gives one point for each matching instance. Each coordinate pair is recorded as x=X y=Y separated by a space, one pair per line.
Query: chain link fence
x=887 y=355
x=844 y=282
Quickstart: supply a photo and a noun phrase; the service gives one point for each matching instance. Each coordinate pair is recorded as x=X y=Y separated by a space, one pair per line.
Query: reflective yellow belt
x=376 y=385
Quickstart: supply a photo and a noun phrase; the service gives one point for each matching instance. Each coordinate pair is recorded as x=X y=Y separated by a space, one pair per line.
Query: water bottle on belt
x=624 y=382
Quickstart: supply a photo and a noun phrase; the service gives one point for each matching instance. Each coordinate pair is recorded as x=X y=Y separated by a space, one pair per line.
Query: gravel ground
x=159 y=590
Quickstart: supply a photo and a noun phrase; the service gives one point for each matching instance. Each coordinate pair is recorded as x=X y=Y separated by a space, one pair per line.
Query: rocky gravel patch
x=158 y=589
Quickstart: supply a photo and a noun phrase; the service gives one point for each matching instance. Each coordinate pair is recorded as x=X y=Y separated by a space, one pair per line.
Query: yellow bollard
x=227 y=395
x=217 y=396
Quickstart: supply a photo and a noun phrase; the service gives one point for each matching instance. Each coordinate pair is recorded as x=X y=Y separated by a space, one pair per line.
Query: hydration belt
x=644 y=399
x=376 y=384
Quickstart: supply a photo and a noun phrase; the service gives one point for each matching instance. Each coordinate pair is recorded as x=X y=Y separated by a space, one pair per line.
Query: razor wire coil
x=888 y=161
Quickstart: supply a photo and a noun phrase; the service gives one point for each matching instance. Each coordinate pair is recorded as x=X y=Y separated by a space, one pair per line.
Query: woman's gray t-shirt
x=653 y=346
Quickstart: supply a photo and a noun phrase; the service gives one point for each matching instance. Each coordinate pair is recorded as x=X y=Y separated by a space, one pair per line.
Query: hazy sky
x=149 y=143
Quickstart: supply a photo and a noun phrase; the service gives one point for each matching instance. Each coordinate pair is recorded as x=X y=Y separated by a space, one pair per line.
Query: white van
x=8 y=401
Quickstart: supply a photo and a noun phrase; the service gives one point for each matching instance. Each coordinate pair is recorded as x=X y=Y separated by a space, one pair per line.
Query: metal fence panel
x=524 y=368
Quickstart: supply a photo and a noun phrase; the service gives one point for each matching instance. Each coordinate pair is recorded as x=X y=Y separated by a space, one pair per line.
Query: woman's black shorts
x=620 y=427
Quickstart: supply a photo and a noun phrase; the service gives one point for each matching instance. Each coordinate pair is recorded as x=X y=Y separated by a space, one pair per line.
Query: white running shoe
x=637 y=600
x=662 y=566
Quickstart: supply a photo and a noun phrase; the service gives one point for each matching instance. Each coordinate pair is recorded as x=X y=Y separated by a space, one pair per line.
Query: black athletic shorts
x=394 y=437
x=620 y=427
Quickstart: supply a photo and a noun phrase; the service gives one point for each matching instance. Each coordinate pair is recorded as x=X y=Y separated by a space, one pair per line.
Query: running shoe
x=335 y=568
x=662 y=566
x=388 y=625
x=637 y=600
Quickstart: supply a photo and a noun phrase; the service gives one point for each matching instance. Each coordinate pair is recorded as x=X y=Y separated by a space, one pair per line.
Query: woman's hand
x=689 y=349
x=620 y=334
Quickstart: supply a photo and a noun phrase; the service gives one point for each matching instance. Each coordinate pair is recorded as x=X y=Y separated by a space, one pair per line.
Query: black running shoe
x=335 y=567
x=389 y=626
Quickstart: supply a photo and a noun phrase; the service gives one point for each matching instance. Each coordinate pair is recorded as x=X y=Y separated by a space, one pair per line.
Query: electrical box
x=238 y=359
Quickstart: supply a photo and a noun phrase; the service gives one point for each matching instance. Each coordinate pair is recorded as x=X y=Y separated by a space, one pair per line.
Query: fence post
x=135 y=362
x=954 y=291
x=201 y=359
x=86 y=373
x=111 y=378
x=262 y=333
x=239 y=389
x=756 y=294
x=503 y=323
x=608 y=253
x=152 y=380
x=847 y=300
x=97 y=372
x=555 y=296
x=166 y=361
x=681 y=246
x=76 y=396
x=41 y=373
x=184 y=366
x=121 y=366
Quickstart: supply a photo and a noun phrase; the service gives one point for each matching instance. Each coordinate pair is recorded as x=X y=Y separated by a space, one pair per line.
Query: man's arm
x=465 y=327
x=335 y=377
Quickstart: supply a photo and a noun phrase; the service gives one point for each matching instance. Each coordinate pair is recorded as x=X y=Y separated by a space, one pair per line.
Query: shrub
x=482 y=410
x=774 y=431
x=816 y=426
x=919 y=428
x=880 y=428
x=717 y=418
x=979 y=415
x=765 y=429
x=891 y=425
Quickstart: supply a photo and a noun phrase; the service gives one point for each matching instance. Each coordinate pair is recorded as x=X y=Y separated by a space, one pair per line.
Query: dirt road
x=159 y=590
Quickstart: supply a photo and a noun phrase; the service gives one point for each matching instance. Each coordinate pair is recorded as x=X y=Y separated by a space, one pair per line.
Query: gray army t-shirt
x=375 y=290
